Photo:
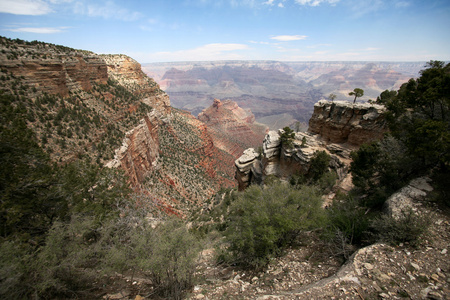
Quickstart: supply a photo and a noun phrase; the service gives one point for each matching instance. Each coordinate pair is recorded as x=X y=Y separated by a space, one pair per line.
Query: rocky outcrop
x=408 y=198
x=60 y=70
x=282 y=162
x=335 y=127
x=343 y=122
x=55 y=73
x=139 y=152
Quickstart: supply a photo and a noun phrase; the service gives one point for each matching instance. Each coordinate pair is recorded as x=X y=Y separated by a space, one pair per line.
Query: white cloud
x=44 y=30
x=269 y=2
x=316 y=2
x=288 y=38
x=216 y=51
x=109 y=10
x=401 y=4
x=25 y=7
x=371 y=49
x=281 y=5
x=318 y=45
x=364 y=7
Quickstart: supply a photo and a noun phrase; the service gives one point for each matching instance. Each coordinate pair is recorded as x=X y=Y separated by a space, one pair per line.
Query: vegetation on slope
x=65 y=225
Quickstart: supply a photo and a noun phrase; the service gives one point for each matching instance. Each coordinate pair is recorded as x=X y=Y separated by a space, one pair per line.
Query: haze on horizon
x=204 y=30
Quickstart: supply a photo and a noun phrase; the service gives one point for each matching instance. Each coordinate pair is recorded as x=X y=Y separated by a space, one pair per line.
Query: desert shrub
x=64 y=266
x=409 y=228
x=381 y=168
x=167 y=254
x=319 y=165
x=14 y=267
x=174 y=252
x=347 y=225
x=262 y=221
x=441 y=192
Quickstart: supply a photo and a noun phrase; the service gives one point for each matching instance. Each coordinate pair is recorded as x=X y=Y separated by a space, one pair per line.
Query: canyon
x=105 y=109
x=278 y=93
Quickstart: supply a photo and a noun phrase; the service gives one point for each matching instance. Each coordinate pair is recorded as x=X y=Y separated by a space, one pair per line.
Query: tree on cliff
x=332 y=97
x=357 y=93
x=287 y=137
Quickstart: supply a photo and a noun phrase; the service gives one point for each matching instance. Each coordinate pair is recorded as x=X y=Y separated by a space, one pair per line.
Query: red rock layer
x=60 y=74
x=232 y=128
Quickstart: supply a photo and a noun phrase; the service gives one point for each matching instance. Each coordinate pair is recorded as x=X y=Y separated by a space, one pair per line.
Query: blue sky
x=196 y=30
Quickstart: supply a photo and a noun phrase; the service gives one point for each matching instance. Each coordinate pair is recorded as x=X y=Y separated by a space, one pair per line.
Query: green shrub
x=381 y=168
x=408 y=228
x=14 y=267
x=319 y=165
x=172 y=258
x=263 y=221
x=287 y=137
x=65 y=265
x=348 y=224
x=167 y=254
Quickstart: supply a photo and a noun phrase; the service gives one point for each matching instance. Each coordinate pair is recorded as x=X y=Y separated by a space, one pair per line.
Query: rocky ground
x=309 y=271
x=378 y=271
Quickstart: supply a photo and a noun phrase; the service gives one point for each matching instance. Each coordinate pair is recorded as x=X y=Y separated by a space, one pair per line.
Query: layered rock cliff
x=103 y=108
x=128 y=73
x=336 y=128
x=342 y=122
x=53 y=69
x=232 y=128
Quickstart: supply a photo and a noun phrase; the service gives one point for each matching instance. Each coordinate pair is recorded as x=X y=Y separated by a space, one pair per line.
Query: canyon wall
x=104 y=109
x=278 y=93
x=232 y=128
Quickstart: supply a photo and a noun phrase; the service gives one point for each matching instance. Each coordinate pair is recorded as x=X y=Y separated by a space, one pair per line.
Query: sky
x=203 y=30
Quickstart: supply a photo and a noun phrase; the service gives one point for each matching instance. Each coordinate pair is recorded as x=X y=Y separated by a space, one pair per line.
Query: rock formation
x=278 y=93
x=139 y=152
x=336 y=128
x=408 y=198
x=232 y=128
x=54 y=70
x=128 y=73
x=340 y=122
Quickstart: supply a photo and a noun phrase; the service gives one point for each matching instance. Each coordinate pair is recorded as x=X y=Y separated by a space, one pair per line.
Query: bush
x=64 y=266
x=172 y=258
x=348 y=224
x=409 y=228
x=381 y=168
x=263 y=221
x=167 y=254
x=319 y=165
x=14 y=266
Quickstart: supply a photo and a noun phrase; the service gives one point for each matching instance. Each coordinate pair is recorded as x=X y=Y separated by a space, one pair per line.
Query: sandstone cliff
x=232 y=128
x=336 y=128
x=103 y=108
x=342 y=122
x=128 y=73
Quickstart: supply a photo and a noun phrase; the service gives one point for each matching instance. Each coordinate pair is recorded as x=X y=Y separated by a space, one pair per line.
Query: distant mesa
x=279 y=94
